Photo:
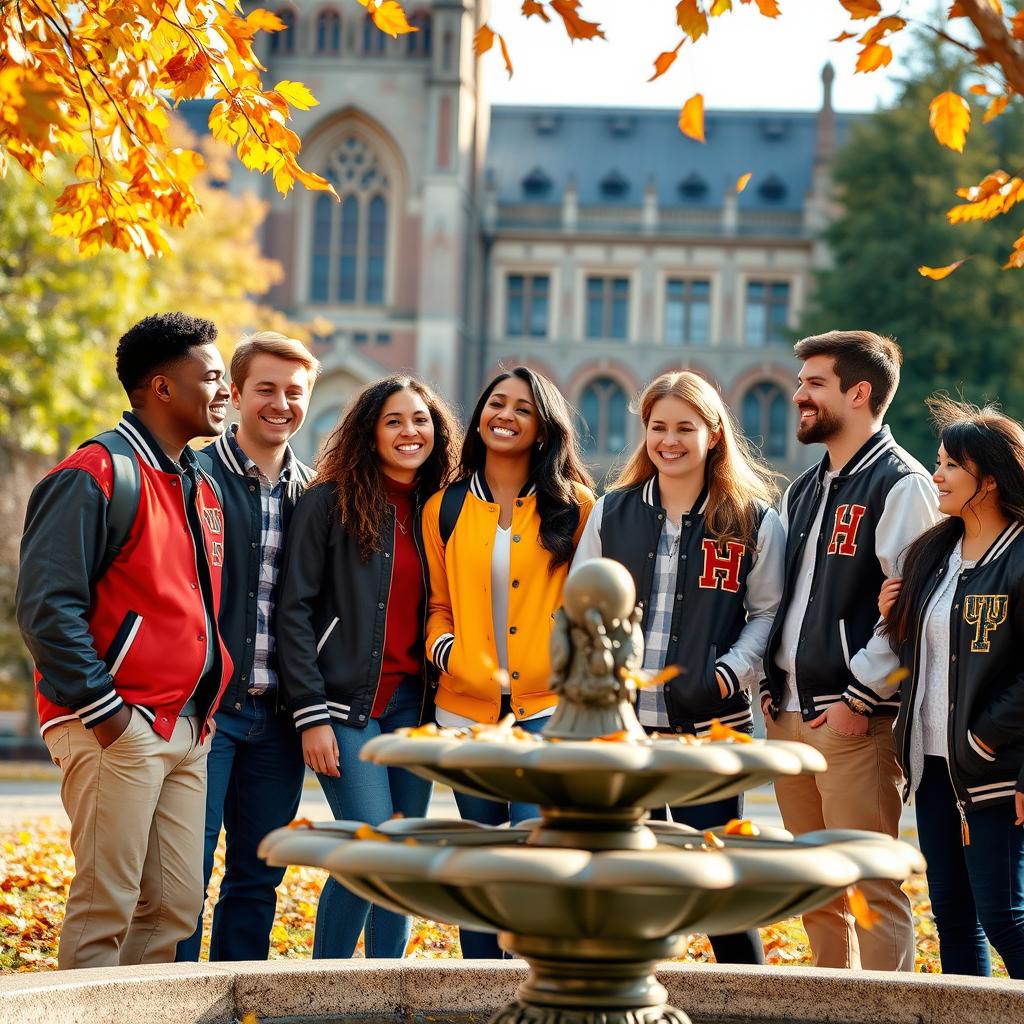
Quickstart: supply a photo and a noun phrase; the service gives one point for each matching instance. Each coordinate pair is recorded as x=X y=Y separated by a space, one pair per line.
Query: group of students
x=263 y=617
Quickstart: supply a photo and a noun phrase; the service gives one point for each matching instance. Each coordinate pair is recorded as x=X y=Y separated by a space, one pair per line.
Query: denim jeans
x=371 y=793
x=736 y=947
x=254 y=781
x=484 y=945
x=977 y=891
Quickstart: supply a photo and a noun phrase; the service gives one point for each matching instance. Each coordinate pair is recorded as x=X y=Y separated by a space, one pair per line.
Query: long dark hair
x=994 y=445
x=348 y=459
x=554 y=467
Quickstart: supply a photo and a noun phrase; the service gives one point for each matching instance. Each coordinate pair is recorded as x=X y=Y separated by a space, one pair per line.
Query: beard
x=825 y=424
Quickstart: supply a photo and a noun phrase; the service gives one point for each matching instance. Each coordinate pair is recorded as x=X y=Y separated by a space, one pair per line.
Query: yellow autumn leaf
x=873 y=57
x=995 y=108
x=713 y=842
x=297 y=95
x=389 y=17
x=720 y=7
x=719 y=732
x=249 y=1018
x=264 y=21
x=691 y=19
x=691 y=118
x=949 y=115
x=862 y=912
x=741 y=827
x=861 y=9
x=937 y=274
x=483 y=40
x=742 y=181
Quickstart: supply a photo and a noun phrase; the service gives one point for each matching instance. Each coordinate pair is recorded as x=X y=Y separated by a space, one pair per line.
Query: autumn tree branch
x=1006 y=51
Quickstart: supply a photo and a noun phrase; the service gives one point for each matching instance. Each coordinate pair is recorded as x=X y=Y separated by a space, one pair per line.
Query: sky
x=746 y=61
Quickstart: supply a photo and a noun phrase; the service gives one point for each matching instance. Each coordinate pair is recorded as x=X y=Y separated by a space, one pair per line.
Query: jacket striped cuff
x=307 y=717
x=441 y=650
x=100 y=709
x=857 y=691
x=732 y=681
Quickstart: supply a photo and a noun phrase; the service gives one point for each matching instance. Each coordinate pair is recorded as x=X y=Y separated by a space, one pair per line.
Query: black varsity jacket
x=724 y=602
x=875 y=508
x=986 y=676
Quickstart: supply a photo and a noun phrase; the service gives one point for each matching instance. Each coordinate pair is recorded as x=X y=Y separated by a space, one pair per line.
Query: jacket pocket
x=844 y=642
x=326 y=634
x=122 y=642
x=978 y=749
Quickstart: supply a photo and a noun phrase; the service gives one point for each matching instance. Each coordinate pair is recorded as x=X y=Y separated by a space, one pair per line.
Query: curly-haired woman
x=351 y=622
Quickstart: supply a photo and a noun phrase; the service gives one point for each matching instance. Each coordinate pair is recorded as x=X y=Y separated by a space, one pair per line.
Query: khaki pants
x=137 y=810
x=861 y=789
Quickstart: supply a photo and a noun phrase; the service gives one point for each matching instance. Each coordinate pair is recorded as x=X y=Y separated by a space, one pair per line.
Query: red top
x=403 y=630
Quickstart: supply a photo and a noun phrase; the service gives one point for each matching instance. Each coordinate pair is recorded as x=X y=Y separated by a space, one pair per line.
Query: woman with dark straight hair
x=499 y=541
x=957 y=620
x=351 y=621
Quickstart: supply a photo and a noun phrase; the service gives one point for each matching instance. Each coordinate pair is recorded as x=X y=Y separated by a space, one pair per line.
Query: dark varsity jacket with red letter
x=145 y=632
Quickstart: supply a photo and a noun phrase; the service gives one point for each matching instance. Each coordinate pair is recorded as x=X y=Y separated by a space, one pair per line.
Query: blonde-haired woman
x=690 y=516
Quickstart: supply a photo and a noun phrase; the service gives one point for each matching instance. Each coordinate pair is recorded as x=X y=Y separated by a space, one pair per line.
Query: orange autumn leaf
x=370 y=834
x=531 y=8
x=741 y=827
x=938 y=273
x=719 y=732
x=575 y=26
x=505 y=56
x=664 y=61
x=612 y=737
x=390 y=18
x=861 y=9
x=979 y=90
x=873 y=57
x=743 y=180
x=483 y=40
x=949 y=115
x=713 y=842
x=691 y=118
x=862 y=913
x=690 y=17
x=995 y=108
x=881 y=28
x=1017 y=26
x=769 y=8
x=842 y=37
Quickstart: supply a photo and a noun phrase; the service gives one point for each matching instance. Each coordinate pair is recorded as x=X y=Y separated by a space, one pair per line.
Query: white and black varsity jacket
x=880 y=502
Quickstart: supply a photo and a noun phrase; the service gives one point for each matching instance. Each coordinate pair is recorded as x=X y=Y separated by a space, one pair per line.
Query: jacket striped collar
x=1001 y=544
x=479 y=489
x=870 y=452
x=652 y=496
x=148 y=449
x=227 y=448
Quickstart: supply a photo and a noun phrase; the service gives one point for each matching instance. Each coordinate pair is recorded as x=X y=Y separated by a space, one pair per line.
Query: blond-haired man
x=255 y=766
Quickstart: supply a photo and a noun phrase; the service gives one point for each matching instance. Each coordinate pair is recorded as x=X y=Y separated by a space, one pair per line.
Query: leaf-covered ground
x=36 y=867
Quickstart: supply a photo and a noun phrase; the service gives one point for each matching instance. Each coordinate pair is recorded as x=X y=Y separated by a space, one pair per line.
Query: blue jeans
x=484 y=945
x=977 y=891
x=371 y=793
x=736 y=947
x=254 y=781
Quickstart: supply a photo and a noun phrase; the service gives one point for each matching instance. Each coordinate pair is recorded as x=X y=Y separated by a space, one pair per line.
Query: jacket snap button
x=953 y=658
x=515 y=675
x=362 y=718
x=515 y=583
x=515 y=537
x=195 y=586
x=252 y=593
x=253 y=544
x=650 y=554
x=519 y=503
x=200 y=637
x=675 y=639
x=380 y=604
x=512 y=629
x=376 y=654
x=248 y=639
x=521 y=711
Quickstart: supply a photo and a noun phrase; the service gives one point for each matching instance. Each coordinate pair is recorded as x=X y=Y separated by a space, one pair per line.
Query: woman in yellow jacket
x=499 y=541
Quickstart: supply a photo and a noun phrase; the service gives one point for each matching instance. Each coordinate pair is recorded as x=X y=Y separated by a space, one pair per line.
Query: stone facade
x=597 y=245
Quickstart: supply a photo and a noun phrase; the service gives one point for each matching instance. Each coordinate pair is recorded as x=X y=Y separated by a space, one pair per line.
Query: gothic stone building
x=597 y=245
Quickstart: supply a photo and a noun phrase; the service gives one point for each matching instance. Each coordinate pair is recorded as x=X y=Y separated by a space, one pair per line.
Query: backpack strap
x=452 y=501
x=124 y=495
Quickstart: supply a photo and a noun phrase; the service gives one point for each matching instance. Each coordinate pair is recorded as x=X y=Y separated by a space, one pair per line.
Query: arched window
x=374 y=41
x=419 y=42
x=328 y=32
x=350 y=240
x=284 y=41
x=604 y=406
x=765 y=416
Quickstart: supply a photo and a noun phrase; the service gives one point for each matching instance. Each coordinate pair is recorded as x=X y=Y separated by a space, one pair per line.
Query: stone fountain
x=592 y=895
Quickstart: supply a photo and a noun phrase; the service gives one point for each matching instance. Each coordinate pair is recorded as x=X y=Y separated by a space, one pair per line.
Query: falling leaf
x=575 y=26
x=720 y=7
x=949 y=115
x=741 y=827
x=938 y=273
x=690 y=17
x=995 y=108
x=897 y=675
x=297 y=95
x=505 y=56
x=664 y=61
x=769 y=8
x=979 y=90
x=873 y=57
x=862 y=913
x=882 y=27
x=532 y=8
x=390 y=18
x=742 y=181
x=483 y=40
x=842 y=37
x=860 y=9
x=691 y=118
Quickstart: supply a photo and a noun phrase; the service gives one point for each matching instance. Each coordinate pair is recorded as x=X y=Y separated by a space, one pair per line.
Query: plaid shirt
x=264 y=676
x=651 y=702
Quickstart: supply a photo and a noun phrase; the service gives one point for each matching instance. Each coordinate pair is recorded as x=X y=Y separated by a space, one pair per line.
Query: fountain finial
x=596 y=647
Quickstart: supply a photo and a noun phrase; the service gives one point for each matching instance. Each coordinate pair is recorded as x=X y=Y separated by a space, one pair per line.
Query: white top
x=785 y=658
x=501 y=573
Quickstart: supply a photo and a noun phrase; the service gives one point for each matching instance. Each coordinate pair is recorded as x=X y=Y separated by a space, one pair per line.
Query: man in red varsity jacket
x=129 y=663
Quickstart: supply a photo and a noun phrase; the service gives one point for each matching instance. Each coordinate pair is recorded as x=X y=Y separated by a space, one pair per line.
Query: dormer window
x=773 y=189
x=614 y=185
x=536 y=183
x=693 y=187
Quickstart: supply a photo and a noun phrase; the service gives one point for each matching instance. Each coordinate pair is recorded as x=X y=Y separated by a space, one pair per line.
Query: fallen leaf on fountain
x=300 y=823
x=742 y=827
x=721 y=732
x=862 y=912
x=613 y=737
x=712 y=842
x=370 y=834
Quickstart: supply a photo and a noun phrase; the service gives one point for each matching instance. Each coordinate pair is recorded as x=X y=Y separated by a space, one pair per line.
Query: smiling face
x=678 y=440
x=509 y=421
x=272 y=401
x=958 y=484
x=821 y=402
x=405 y=435
x=197 y=393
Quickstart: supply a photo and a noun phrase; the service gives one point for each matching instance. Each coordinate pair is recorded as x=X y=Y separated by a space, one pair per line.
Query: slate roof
x=613 y=153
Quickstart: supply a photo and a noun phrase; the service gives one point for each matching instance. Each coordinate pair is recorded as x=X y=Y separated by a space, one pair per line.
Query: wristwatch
x=857 y=706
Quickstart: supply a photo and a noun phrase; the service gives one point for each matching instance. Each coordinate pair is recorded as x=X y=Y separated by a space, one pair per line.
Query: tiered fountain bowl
x=592 y=895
